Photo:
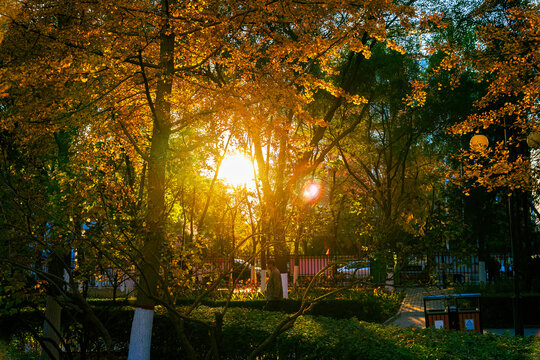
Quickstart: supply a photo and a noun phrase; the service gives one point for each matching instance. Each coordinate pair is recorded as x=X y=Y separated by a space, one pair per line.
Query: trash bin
x=454 y=311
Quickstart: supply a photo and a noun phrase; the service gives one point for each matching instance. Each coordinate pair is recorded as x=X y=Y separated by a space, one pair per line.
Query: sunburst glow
x=236 y=170
x=312 y=190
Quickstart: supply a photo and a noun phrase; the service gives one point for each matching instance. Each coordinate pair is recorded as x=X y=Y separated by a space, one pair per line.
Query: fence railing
x=457 y=270
x=344 y=266
x=446 y=269
x=308 y=265
x=439 y=268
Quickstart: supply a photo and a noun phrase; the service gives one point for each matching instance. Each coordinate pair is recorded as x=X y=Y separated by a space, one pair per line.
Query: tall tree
x=388 y=158
x=144 y=71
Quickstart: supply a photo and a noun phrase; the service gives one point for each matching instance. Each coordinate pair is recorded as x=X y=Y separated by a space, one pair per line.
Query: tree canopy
x=117 y=116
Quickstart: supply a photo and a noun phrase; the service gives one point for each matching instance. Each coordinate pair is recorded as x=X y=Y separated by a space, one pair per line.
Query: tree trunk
x=51 y=329
x=141 y=334
x=53 y=310
x=296 y=269
x=149 y=267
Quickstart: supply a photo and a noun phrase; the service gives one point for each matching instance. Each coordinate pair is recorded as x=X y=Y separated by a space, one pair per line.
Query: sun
x=236 y=169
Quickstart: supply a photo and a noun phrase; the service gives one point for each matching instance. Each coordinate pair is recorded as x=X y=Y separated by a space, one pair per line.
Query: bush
x=364 y=304
x=374 y=305
x=370 y=309
x=319 y=337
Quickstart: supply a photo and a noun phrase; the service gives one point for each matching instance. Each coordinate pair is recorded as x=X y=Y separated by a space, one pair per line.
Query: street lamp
x=479 y=142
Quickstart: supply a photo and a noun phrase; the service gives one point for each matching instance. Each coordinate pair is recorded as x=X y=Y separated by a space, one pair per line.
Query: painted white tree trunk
x=51 y=325
x=296 y=273
x=141 y=334
x=263 y=280
x=482 y=271
x=285 y=284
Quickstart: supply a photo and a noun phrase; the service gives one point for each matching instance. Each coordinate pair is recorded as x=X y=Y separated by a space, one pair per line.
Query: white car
x=355 y=270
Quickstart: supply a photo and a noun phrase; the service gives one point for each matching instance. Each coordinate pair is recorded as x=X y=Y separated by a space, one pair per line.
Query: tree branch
x=132 y=140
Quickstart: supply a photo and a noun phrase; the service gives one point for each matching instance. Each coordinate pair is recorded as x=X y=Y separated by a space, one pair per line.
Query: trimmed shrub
x=317 y=337
x=369 y=310
x=373 y=306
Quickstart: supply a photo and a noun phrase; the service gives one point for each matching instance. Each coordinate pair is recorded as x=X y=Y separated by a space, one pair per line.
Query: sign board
x=439 y=324
x=469 y=324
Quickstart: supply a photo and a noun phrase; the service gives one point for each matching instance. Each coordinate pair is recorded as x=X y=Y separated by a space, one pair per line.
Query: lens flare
x=312 y=191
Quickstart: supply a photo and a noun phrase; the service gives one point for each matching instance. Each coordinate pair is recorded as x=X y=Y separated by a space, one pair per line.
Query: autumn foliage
x=506 y=60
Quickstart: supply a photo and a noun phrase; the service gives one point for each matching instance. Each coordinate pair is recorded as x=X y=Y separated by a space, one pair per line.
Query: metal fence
x=308 y=265
x=213 y=264
x=439 y=269
x=345 y=266
x=456 y=270
x=499 y=267
x=452 y=269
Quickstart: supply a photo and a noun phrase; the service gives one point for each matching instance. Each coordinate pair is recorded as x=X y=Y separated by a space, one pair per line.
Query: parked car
x=355 y=270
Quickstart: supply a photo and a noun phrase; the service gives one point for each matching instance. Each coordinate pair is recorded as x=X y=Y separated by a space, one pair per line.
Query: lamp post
x=480 y=142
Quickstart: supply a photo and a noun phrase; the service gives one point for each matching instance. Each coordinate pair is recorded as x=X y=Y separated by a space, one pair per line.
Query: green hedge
x=117 y=316
x=324 y=338
x=368 y=309
x=319 y=337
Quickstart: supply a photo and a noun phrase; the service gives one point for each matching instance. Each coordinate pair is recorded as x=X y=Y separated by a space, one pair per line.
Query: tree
x=41 y=217
x=506 y=61
x=143 y=72
x=389 y=159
